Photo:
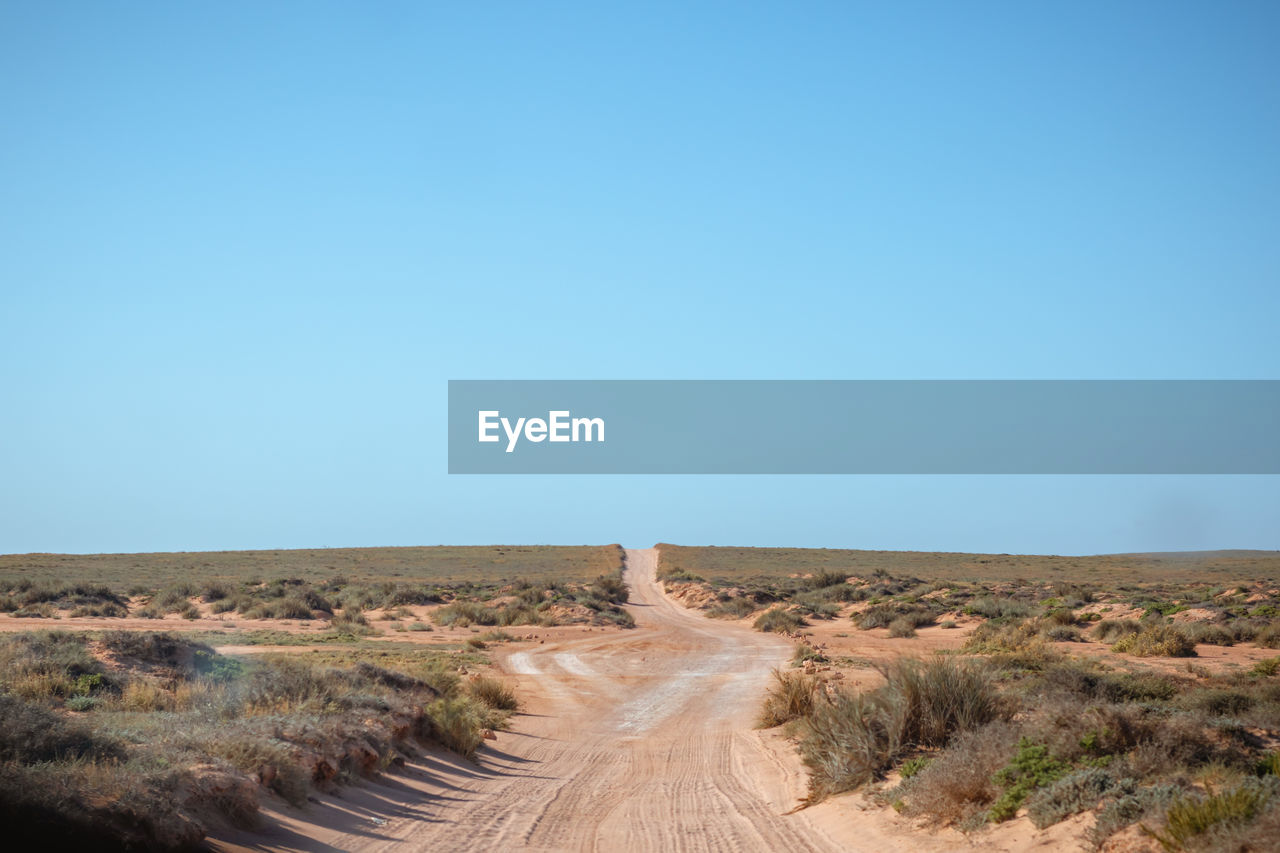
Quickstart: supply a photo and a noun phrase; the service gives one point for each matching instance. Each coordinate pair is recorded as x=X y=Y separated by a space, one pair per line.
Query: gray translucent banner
x=865 y=427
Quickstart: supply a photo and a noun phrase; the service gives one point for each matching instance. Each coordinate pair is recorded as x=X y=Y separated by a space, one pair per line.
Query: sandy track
x=637 y=740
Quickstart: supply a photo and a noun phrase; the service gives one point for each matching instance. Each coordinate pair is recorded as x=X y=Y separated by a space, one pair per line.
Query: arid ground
x=640 y=723
x=639 y=740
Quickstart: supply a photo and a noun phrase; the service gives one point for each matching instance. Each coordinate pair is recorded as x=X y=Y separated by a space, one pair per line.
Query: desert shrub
x=1031 y=767
x=403 y=596
x=155 y=647
x=223 y=605
x=1124 y=810
x=884 y=615
x=1157 y=641
x=902 y=628
x=90 y=807
x=810 y=606
x=463 y=613
x=852 y=738
x=420 y=626
x=215 y=591
x=293 y=607
x=42 y=610
x=271 y=759
x=778 y=621
x=790 y=698
x=1267 y=667
x=913 y=766
x=364 y=673
x=735 y=607
x=1112 y=630
x=1062 y=634
x=804 y=653
x=824 y=579
x=1190 y=816
x=145 y=696
x=457 y=723
x=173 y=599
x=215 y=667
x=1268 y=637
x=31 y=733
x=621 y=618
x=611 y=588
x=998 y=608
x=1219 y=702
x=287 y=684
x=351 y=622
x=106 y=609
x=1210 y=634
x=494 y=693
x=1060 y=616
x=1257 y=833
x=994 y=636
x=441 y=678
x=1074 y=793
x=1088 y=683
x=957 y=785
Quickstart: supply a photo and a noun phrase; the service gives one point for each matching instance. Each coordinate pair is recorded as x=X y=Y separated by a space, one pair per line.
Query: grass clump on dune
x=146 y=752
x=778 y=620
x=853 y=738
x=791 y=698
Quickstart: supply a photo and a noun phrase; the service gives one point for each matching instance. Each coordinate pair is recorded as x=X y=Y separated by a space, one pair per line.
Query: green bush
x=1191 y=816
x=81 y=703
x=1030 y=768
x=1267 y=667
x=913 y=766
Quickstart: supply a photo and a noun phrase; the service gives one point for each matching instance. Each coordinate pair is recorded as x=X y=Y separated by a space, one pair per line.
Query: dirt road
x=636 y=741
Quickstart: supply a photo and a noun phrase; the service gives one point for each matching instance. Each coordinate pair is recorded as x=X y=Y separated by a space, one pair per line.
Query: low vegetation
x=475 y=586
x=1015 y=721
x=852 y=738
x=1190 y=759
x=143 y=740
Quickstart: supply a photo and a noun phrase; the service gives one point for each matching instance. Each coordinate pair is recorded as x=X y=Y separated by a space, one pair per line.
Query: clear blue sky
x=244 y=245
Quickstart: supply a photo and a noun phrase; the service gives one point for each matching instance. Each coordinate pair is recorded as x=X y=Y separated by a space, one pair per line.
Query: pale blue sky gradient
x=244 y=245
